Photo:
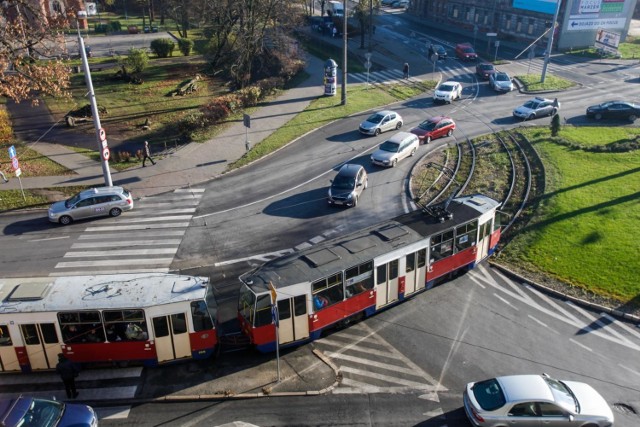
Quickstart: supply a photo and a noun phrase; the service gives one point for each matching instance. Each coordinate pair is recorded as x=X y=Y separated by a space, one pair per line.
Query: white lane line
x=111 y=271
x=302 y=246
x=580 y=345
x=138 y=227
x=317 y=240
x=115 y=262
x=189 y=190
x=125 y=243
x=49 y=238
x=86 y=375
x=172 y=198
x=373 y=363
x=133 y=235
x=544 y=325
x=122 y=252
x=633 y=371
x=505 y=301
x=380 y=377
x=167 y=204
x=602 y=325
x=112 y=413
x=622 y=325
x=141 y=212
x=127 y=392
x=160 y=218
x=260 y=257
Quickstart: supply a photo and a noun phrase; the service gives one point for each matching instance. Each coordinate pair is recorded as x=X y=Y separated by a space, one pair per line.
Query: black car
x=440 y=51
x=614 y=110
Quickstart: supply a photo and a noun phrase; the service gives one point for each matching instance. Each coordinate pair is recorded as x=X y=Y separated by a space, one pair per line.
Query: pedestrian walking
x=68 y=372
x=334 y=32
x=146 y=154
x=405 y=70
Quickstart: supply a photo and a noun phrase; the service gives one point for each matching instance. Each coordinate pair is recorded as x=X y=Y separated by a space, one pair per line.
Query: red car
x=434 y=127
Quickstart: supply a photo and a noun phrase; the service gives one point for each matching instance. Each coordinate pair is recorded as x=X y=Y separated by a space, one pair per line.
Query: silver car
x=501 y=82
x=396 y=148
x=348 y=185
x=537 y=107
x=535 y=400
x=101 y=201
x=381 y=121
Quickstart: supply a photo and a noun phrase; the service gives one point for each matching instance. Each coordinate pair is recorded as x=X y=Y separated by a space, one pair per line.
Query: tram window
x=422 y=258
x=30 y=334
x=179 y=323
x=393 y=269
x=5 y=338
x=49 y=334
x=466 y=235
x=411 y=262
x=160 y=326
x=284 y=309
x=263 y=311
x=359 y=278
x=328 y=291
x=81 y=326
x=123 y=325
x=200 y=316
x=299 y=305
x=381 y=273
x=442 y=245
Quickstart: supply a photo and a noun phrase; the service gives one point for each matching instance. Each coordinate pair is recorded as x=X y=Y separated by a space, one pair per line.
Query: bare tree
x=30 y=40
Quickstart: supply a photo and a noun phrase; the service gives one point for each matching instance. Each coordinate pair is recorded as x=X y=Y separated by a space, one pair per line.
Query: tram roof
x=98 y=292
x=342 y=252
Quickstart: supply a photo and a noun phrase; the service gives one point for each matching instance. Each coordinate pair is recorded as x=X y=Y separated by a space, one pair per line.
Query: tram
x=150 y=318
x=357 y=275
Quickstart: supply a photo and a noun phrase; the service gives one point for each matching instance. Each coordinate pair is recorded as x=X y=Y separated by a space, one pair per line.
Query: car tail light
x=129 y=201
x=476 y=415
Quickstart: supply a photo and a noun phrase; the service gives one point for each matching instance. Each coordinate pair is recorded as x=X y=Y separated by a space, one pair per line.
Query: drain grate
x=624 y=408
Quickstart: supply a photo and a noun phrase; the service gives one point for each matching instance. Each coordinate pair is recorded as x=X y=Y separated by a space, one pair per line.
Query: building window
x=454 y=12
x=530 y=29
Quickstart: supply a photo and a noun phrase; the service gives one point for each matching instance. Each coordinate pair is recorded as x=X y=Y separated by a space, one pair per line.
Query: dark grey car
x=348 y=185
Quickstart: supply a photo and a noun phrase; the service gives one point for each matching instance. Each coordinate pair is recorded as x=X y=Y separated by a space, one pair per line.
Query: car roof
x=101 y=190
x=400 y=136
x=349 y=169
x=385 y=112
x=437 y=119
x=453 y=82
x=522 y=388
x=12 y=410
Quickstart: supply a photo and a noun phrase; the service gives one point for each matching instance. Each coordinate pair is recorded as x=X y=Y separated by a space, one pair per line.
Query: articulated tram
x=147 y=318
x=357 y=275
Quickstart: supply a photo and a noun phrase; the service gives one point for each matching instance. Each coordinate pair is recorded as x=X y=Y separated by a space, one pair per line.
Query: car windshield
x=446 y=88
x=42 y=413
x=467 y=50
x=489 y=394
x=375 y=118
x=563 y=395
x=486 y=66
x=427 y=125
x=72 y=201
x=389 y=146
x=343 y=182
x=532 y=105
x=502 y=77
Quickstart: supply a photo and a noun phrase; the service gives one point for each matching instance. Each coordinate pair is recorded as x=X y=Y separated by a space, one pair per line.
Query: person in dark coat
x=146 y=154
x=68 y=371
x=405 y=70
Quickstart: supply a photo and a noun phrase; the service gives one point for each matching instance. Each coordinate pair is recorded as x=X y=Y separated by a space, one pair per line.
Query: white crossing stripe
x=122 y=252
x=85 y=375
x=109 y=271
x=132 y=235
x=126 y=392
x=137 y=227
x=112 y=412
x=189 y=190
x=159 y=218
x=101 y=244
x=117 y=262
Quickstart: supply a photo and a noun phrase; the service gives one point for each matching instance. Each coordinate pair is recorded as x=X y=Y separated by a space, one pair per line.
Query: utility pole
x=344 y=53
x=550 y=43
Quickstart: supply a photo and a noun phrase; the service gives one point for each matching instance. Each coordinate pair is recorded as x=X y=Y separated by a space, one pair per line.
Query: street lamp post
x=550 y=42
x=344 y=53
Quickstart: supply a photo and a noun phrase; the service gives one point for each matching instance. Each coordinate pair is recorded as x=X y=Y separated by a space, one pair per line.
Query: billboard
x=595 y=14
x=542 y=6
x=607 y=41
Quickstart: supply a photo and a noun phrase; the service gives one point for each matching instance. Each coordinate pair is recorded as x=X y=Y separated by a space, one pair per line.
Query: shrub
x=249 y=96
x=115 y=26
x=121 y=156
x=270 y=85
x=555 y=125
x=185 y=46
x=192 y=122
x=218 y=109
x=137 y=60
x=163 y=48
x=6 y=131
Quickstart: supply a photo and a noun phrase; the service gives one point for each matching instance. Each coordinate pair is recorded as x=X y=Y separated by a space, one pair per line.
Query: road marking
x=580 y=345
x=112 y=271
x=137 y=227
x=133 y=235
x=49 y=238
x=260 y=257
x=629 y=369
x=112 y=413
x=122 y=252
x=505 y=301
x=117 y=262
x=101 y=244
x=544 y=325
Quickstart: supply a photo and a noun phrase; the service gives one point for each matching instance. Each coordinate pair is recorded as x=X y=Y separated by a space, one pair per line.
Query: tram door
x=8 y=357
x=387 y=283
x=485 y=240
x=293 y=319
x=42 y=344
x=415 y=271
x=172 y=337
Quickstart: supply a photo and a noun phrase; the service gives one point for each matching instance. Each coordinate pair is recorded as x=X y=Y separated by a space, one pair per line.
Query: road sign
x=18 y=173
x=15 y=164
x=105 y=153
x=102 y=134
x=367 y=64
x=492 y=34
x=246 y=120
x=104 y=143
x=12 y=152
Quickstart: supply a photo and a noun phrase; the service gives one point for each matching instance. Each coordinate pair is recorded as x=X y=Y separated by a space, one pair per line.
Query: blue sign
x=542 y=6
x=12 y=152
x=275 y=315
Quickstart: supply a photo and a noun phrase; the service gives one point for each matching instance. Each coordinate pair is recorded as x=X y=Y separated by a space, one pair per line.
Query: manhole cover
x=624 y=408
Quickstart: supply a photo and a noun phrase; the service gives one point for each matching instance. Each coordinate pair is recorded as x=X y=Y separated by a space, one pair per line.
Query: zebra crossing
x=387 y=77
x=369 y=364
x=92 y=384
x=145 y=239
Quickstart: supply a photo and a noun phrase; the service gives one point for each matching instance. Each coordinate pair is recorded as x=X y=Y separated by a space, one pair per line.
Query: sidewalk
x=194 y=163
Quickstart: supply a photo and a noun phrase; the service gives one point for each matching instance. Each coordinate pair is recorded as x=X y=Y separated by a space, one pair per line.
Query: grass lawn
x=532 y=82
x=585 y=231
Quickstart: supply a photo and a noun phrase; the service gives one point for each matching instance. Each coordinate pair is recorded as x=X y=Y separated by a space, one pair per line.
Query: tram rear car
x=144 y=318
x=359 y=274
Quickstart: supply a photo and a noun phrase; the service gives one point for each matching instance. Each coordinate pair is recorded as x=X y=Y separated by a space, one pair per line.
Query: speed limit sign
x=102 y=134
x=105 y=153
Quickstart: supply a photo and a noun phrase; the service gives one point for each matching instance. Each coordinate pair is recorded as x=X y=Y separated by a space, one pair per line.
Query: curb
x=560 y=295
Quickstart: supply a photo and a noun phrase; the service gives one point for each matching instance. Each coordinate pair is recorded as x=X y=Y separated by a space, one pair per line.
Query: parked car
x=396 y=148
x=529 y=400
x=465 y=52
x=433 y=128
x=537 y=107
x=400 y=3
x=614 y=110
x=447 y=92
x=101 y=201
x=485 y=70
x=28 y=411
x=381 y=121
x=348 y=185
x=501 y=82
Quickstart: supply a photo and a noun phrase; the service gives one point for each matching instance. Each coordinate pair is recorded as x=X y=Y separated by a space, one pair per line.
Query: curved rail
x=451 y=180
x=512 y=186
x=471 y=169
x=527 y=191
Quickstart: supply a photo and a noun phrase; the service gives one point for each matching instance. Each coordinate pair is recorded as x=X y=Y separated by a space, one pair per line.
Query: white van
x=336 y=9
x=396 y=148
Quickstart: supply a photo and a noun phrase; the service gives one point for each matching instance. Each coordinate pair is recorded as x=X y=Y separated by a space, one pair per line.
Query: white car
x=501 y=82
x=396 y=148
x=448 y=92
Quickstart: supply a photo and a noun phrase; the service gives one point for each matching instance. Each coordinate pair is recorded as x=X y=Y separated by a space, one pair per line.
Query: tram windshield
x=246 y=303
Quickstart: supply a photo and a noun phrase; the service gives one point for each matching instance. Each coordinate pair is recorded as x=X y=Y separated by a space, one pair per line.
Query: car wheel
x=554 y=112
x=531 y=117
x=115 y=212
x=632 y=118
x=65 y=220
x=394 y=163
x=413 y=152
x=377 y=132
x=366 y=184
x=355 y=202
x=427 y=139
x=450 y=132
x=598 y=116
x=399 y=125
